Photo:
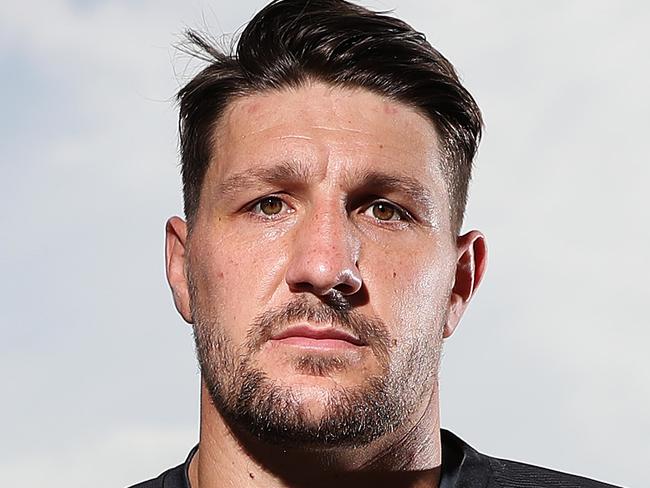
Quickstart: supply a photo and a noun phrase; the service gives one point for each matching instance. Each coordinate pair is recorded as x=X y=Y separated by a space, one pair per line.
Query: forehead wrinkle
x=324 y=128
x=306 y=128
x=346 y=129
x=306 y=138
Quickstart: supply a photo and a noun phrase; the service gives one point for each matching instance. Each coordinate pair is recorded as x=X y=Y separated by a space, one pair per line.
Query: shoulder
x=172 y=478
x=506 y=474
x=469 y=468
x=153 y=483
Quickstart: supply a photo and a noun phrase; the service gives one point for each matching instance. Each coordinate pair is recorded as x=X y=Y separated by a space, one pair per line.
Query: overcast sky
x=550 y=365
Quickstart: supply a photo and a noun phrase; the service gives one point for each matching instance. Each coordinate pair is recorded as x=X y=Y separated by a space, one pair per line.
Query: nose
x=325 y=256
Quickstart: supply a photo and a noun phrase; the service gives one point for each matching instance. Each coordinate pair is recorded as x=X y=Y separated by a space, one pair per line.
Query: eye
x=269 y=207
x=386 y=212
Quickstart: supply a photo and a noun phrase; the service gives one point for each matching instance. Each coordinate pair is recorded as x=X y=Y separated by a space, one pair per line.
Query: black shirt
x=462 y=467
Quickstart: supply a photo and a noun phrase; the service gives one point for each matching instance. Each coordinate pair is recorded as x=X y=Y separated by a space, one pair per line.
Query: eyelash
x=259 y=214
x=404 y=215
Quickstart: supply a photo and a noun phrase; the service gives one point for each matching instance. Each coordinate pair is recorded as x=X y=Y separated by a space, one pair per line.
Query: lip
x=309 y=336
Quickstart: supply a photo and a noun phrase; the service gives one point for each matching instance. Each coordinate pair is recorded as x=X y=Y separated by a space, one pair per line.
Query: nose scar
x=346 y=275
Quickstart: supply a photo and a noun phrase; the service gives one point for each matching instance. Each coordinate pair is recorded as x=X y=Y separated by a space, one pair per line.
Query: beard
x=251 y=402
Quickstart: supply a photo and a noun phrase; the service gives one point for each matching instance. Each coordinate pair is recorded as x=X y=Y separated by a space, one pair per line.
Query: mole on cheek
x=394 y=274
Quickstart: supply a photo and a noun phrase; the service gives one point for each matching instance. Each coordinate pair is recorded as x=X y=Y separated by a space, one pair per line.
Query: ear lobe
x=470 y=269
x=175 y=263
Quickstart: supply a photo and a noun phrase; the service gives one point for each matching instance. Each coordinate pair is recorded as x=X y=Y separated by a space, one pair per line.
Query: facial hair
x=352 y=416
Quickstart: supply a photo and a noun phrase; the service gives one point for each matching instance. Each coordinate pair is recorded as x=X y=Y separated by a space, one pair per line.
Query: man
x=325 y=169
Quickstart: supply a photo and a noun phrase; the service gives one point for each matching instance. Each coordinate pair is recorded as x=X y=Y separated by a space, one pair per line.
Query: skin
x=328 y=234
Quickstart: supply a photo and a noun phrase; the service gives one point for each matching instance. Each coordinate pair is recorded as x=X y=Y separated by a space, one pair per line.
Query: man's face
x=320 y=265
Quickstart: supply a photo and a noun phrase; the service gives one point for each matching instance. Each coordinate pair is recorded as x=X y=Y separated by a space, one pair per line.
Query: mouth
x=319 y=338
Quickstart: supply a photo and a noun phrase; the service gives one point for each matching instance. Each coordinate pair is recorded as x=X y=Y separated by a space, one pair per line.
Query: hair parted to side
x=292 y=42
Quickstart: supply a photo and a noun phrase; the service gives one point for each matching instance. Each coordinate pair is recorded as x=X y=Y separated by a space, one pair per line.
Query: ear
x=175 y=263
x=470 y=268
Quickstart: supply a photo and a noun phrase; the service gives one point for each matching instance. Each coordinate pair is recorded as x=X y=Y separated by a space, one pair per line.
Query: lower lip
x=311 y=343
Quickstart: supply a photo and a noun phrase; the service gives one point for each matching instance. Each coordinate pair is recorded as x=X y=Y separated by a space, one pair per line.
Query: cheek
x=235 y=279
x=417 y=290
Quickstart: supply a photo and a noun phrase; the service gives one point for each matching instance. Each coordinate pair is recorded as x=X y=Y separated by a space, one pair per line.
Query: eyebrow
x=297 y=173
x=398 y=183
x=285 y=172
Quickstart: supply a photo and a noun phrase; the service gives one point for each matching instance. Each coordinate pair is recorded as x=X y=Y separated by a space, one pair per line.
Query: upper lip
x=303 y=330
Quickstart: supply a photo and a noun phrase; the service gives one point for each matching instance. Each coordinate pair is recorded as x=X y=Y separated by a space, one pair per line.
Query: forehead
x=327 y=128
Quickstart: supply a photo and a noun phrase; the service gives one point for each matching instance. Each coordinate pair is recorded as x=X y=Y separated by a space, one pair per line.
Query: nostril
x=349 y=281
x=301 y=287
x=322 y=276
x=346 y=288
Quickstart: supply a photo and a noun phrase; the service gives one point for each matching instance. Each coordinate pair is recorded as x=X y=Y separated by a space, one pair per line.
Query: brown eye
x=384 y=211
x=270 y=206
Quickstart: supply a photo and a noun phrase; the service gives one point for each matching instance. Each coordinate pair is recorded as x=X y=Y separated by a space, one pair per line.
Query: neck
x=410 y=457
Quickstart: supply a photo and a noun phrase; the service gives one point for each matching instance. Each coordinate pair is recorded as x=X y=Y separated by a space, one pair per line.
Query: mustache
x=333 y=309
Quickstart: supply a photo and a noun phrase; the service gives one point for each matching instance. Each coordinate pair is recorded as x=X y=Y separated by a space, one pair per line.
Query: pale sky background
x=550 y=366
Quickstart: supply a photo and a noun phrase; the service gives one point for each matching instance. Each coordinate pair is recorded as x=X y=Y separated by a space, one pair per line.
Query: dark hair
x=292 y=42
